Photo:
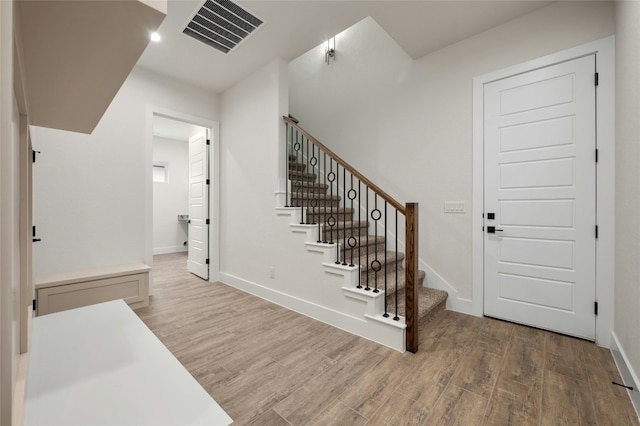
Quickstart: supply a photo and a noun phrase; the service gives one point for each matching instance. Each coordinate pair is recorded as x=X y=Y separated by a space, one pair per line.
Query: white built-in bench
x=68 y=290
x=101 y=365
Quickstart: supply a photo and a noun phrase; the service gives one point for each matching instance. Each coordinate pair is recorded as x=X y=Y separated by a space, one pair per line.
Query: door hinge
x=207 y=181
x=595 y=308
x=33 y=231
x=33 y=155
x=34 y=304
x=207 y=222
x=208 y=141
x=596 y=231
x=596 y=79
x=207 y=261
x=597 y=155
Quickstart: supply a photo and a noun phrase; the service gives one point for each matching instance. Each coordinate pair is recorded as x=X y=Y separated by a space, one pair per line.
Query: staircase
x=351 y=217
x=365 y=248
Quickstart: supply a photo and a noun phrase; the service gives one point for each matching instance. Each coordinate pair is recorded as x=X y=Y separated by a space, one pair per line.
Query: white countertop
x=101 y=365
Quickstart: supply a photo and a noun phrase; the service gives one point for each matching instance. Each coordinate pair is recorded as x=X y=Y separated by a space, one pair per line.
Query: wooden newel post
x=411 y=270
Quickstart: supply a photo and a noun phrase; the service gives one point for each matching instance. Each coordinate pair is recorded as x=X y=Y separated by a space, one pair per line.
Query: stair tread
x=347 y=225
x=306 y=185
x=430 y=302
x=325 y=210
x=299 y=175
x=312 y=195
x=391 y=276
x=382 y=257
x=362 y=242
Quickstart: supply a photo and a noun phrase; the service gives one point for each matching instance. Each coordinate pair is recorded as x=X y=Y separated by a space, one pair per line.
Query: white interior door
x=198 y=258
x=540 y=186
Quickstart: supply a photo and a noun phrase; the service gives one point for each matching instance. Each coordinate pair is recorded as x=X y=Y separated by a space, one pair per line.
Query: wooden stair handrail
x=388 y=198
x=410 y=212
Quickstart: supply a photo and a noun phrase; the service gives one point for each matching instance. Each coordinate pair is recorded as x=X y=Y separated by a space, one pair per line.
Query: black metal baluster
x=331 y=221
x=352 y=238
x=296 y=148
x=337 y=214
x=344 y=216
x=375 y=264
x=309 y=179
x=385 y=247
x=367 y=246
x=386 y=234
x=396 y=317
x=324 y=183
x=359 y=236
x=313 y=196
x=286 y=164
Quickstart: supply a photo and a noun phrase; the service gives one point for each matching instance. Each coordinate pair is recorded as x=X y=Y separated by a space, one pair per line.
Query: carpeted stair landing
x=305 y=188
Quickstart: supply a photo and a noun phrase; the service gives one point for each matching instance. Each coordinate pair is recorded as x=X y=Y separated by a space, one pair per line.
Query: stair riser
x=360 y=250
x=300 y=177
x=324 y=217
x=297 y=167
x=309 y=202
x=337 y=236
x=391 y=266
x=296 y=202
x=304 y=191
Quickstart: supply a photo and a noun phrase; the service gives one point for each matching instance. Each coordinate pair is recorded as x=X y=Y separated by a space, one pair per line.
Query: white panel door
x=540 y=185
x=198 y=262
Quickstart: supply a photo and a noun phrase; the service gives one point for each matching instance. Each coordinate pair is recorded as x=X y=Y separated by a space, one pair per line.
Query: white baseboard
x=627 y=373
x=167 y=250
x=454 y=303
x=390 y=335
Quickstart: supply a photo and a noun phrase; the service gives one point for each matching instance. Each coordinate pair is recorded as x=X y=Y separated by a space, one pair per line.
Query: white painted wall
x=171 y=198
x=9 y=218
x=255 y=236
x=90 y=190
x=627 y=284
x=250 y=135
x=407 y=125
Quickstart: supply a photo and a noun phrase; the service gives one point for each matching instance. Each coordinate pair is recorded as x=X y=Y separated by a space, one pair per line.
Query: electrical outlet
x=454 y=206
x=272 y=272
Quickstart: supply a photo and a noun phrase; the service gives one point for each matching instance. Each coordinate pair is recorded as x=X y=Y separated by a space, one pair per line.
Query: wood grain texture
x=266 y=365
x=411 y=271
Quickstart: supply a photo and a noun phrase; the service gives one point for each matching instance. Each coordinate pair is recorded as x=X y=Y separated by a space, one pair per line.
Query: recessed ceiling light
x=155 y=37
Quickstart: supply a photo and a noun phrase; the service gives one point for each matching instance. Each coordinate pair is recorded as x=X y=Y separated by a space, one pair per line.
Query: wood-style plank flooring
x=266 y=365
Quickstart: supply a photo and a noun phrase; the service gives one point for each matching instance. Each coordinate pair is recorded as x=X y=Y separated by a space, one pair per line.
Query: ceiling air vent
x=221 y=24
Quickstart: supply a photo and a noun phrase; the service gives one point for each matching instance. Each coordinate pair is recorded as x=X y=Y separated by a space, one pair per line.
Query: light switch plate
x=454 y=206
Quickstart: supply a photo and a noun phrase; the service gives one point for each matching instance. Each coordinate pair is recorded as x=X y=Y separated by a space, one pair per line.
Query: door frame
x=605 y=178
x=214 y=187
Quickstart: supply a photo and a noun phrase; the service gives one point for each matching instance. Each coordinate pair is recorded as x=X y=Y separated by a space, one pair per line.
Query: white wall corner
x=629 y=376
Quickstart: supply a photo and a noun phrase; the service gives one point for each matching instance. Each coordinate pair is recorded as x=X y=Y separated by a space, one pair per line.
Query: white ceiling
x=293 y=27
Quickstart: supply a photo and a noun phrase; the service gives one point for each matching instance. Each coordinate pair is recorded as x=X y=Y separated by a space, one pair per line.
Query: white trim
x=370 y=326
x=629 y=376
x=169 y=250
x=604 y=50
x=214 y=188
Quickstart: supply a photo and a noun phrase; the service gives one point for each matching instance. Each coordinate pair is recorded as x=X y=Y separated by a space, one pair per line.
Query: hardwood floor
x=266 y=365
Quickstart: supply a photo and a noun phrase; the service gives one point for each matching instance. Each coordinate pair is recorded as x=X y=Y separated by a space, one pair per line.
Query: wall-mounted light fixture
x=330 y=51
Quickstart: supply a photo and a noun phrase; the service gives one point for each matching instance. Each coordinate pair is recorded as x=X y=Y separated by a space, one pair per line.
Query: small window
x=160 y=172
